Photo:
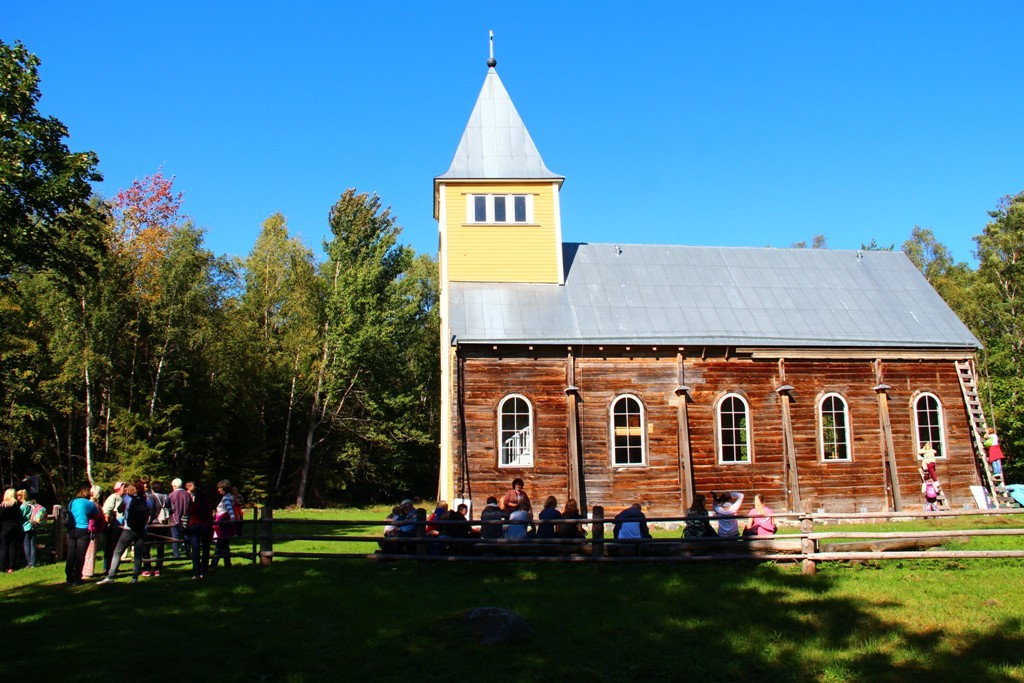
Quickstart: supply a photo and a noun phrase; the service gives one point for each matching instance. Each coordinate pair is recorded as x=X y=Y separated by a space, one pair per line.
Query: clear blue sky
x=726 y=123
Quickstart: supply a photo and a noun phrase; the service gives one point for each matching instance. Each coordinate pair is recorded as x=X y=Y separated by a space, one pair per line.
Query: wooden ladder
x=969 y=387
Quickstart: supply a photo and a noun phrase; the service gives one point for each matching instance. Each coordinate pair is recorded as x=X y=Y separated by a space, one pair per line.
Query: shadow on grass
x=312 y=621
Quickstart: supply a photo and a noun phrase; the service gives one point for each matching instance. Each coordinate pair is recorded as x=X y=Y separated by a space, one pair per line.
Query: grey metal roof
x=496 y=144
x=715 y=296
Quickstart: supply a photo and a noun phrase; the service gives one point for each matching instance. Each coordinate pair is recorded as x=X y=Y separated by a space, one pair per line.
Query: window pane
x=499 y=209
x=733 y=430
x=520 y=207
x=628 y=436
x=929 y=424
x=480 y=209
x=516 y=433
x=834 y=436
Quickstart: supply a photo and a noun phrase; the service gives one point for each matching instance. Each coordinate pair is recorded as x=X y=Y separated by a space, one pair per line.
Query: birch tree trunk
x=287 y=427
x=88 y=399
x=315 y=420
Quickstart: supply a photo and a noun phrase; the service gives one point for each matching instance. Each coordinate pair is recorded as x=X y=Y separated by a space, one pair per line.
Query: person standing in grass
x=28 y=531
x=11 y=521
x=158 y=503
x=514 y=499
x=97 y=530
x=133 y=533
x=82 y=510
x=113 y=512
x=180 y=501
x=223 y=523
x=200 y=532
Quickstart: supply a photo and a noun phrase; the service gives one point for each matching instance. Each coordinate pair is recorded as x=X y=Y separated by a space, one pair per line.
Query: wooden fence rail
x=802 y=546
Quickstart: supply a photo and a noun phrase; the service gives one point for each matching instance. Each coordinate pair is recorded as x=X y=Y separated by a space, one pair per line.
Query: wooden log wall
x=652 y=375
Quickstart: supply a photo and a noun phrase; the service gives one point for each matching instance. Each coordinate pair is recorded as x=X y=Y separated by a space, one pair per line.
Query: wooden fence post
x=597 y=533
x=421 y=532
x=266 y=535
x=58 y=534
x=807 y=545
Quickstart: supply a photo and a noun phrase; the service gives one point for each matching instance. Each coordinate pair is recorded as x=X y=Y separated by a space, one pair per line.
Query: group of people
x=137 y=518
x=759 y=519
x=17 y=529
x=511 y=517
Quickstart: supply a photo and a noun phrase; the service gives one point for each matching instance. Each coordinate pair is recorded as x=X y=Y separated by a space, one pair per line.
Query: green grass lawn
x=314 y=620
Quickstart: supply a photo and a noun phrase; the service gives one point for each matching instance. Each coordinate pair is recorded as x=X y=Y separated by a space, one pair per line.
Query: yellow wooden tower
x=499 y=220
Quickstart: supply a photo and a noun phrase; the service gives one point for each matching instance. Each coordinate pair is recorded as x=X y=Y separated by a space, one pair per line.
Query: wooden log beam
x=886 y=544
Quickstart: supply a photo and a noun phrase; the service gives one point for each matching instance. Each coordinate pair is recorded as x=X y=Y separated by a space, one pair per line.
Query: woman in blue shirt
x=82 y=509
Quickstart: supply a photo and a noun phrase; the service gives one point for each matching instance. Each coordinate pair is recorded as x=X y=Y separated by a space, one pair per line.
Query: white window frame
x=940 y=444
x=720 y=430
x=613 y=429
x=515 y=441
x=509 y=209
x=846 y=442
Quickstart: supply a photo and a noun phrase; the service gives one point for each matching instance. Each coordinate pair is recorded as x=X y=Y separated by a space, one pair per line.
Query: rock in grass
x=490 y=625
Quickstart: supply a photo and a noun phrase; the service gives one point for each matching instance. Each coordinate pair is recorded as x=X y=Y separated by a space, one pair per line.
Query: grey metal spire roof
x=496 y=144
x=715 y=296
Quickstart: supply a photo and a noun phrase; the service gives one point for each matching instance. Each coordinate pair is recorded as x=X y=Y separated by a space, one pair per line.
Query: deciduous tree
x=45 y=215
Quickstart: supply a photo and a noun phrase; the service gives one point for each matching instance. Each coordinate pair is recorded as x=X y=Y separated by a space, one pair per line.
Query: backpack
x=138 y=514
x=67 y=519
x=164 y=514
x=37 y=515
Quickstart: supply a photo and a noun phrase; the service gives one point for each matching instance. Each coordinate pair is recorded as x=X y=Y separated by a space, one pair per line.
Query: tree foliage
x=46 y=220
x=988 y=301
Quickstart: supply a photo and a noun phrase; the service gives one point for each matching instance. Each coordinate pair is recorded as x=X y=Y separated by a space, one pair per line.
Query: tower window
x=495 y=208
x=520 y=201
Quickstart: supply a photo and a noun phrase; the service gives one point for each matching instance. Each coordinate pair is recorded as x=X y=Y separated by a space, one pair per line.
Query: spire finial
x=492 y=62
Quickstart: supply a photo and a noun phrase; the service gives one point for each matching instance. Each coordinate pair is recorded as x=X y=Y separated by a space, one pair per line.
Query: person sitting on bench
x=727 y=506
x=631 y=524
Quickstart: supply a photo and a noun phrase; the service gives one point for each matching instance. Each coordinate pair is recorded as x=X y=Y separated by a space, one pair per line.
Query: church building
x=621 y=373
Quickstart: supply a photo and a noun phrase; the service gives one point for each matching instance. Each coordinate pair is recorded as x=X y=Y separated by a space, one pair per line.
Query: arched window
x=834 y=421
x=928 y=424
x=629 y=435
x=515 y=432
x=733 y=429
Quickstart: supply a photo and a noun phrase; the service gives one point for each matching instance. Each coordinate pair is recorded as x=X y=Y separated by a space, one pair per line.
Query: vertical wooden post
x=807 y=546
x=575 y=471
x=58 y=534
x=597 y=533
x=792 y=478
x=266 y=536
x=421 y=533
x=683 y=437
x=889 y=464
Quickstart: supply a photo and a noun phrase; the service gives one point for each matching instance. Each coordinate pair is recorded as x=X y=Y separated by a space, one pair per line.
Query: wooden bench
x=531 y=547
x=756 y=546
